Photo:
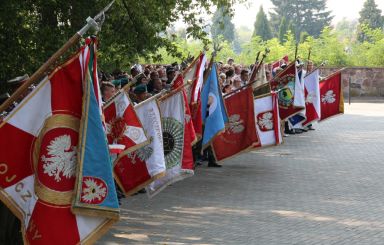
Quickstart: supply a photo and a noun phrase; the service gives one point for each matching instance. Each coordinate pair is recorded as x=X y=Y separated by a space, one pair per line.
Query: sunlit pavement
x=322 y=187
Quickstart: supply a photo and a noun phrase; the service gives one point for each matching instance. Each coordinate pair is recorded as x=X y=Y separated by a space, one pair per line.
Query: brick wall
x=365 y=81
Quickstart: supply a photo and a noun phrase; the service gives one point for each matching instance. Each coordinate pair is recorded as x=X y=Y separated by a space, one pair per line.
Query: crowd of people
x=148 y=80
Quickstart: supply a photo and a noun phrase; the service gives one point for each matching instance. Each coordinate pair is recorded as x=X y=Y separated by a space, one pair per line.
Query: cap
x=140 y=89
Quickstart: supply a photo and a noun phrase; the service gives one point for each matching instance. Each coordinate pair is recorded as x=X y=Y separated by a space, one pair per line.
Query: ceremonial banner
x=312 y=98
x=172 y=121
x=213 y=110
x=299 y=99
x=287 y=86
x=240 y=133
x=95 y=191
x=331 y=96
x=139 y=168
x=123 y=125
x=39 y=145
x=194 y=98
x=189 y=137
x=267 y=120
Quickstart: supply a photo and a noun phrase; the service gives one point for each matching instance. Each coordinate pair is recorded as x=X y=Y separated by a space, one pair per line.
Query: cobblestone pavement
x=322 y=187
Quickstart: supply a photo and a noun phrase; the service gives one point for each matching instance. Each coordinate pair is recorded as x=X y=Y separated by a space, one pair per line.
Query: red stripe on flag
x=15 y=156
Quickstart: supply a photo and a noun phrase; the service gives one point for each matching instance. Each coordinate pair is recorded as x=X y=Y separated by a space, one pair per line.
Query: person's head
x=154 y=75
x=236 y=82
x=226 y=89
x=157 y=84
x=134 y=71
x=171 y=73
x=270 y=67
x=161 y=73
x=244 y=75
x=141 y=79
x=141 y=93
x=310 y=66
x=237 y=70
x=268 y=75
x=230 y=73
x=222 y=77
x=107 y=90
x=230 y=61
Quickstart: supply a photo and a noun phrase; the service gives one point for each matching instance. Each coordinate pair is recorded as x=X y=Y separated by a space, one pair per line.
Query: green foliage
x=261 y=26
x=32 y=30
x=306 y=16
x=222 y=25
x=370 y=16
x=283 y=28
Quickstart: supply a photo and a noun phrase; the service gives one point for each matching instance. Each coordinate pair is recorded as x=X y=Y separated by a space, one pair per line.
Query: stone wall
x=365 y=82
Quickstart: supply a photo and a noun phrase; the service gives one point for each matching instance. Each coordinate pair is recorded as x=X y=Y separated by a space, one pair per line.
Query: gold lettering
x=19 y=187
x=3 y=168
x=37 y=235
x=33 y=229
x=10 y=179
x=26 y=196
x=32 y=226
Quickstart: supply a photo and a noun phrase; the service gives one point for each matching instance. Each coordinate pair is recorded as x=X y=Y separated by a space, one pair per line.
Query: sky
x=245 y=14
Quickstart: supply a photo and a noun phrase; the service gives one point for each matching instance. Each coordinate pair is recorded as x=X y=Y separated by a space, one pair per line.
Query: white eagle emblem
x=235 y=124
x=310 y=98
x=266 y=121
x=93 y=192
x=62 y=158
x=329 y=97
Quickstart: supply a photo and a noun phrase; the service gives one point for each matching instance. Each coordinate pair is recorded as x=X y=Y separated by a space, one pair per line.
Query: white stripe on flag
x=31 y=113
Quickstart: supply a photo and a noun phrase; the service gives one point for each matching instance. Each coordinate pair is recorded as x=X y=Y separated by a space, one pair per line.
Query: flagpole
x=91 y=23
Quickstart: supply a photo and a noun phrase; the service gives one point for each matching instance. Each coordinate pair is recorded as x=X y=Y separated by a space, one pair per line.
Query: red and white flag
x=312 y=98
x=240 y=133
x=123 y=125
x=38 y=163
x=195 y=91
x=139 y=168
x=268 y=124
x=189 y=137
x=331 y=96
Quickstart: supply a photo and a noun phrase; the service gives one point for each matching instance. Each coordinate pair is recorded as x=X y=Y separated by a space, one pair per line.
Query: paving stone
x=320 y=187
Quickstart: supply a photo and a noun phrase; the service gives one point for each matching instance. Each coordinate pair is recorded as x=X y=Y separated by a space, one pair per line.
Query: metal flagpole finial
x=97 y=21
x=216 y=48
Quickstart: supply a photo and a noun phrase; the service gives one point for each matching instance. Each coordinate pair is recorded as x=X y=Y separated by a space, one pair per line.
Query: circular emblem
x=94 y=190
x=55 y=158
x=173 y=140
x=286 y=94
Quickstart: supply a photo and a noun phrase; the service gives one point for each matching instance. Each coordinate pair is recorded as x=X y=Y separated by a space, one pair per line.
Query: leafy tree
x=308 y=16
x=261 y=25
x=371 y=15
x=283 y=28
x=222 y=25
x=32 y=30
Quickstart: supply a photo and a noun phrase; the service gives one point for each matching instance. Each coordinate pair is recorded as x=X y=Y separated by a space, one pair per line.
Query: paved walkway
x=321 y=187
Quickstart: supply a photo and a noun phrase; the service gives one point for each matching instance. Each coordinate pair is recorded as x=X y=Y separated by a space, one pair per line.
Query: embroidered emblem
x=265 y=121
x=144 y=153
x=235 y=124
x=173 y=139
x=62 y=160
x=310 y=98
x=329 y=97
x=94 y=190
